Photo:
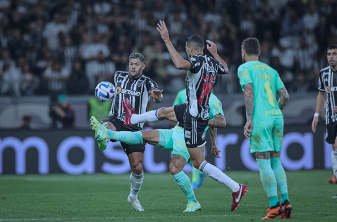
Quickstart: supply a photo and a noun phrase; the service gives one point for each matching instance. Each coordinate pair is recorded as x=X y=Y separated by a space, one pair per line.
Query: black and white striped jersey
x=136 y=90
x=327 y=82
x=200 y=81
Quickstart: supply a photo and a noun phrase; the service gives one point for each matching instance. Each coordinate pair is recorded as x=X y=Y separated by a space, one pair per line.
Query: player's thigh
x=165 y=139
x=334 y=146
x=177 y=164
x=277 y=134
x=167 y=113
x=197 y=155
x=179 y=146
x=151 y=136
x=261 y=139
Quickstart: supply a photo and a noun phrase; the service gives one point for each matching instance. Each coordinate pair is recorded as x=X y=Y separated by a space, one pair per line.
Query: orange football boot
x=274 y=212
x=287 y=209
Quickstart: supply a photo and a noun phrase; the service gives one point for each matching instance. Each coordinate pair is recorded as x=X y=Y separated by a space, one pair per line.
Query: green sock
x=185 y=185
x=126 y=137
x=281 y=178
x=268 y=180
x=195 y=173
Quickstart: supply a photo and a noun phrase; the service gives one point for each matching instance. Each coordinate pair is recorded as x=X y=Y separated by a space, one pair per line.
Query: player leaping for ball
x=172 y=139
x=260 y=83
x=202 y=72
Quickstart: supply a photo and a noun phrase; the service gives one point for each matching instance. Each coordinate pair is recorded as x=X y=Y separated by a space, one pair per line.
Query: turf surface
x=102 y=197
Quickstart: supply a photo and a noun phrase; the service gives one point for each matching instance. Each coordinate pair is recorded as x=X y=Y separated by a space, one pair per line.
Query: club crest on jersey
x=187 y=134
x=193 y=59
x=119 y=89
x=130 y=92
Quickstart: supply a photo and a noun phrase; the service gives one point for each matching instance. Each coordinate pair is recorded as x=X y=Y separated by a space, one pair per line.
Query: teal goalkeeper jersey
x=266 y=82
x=215 y=105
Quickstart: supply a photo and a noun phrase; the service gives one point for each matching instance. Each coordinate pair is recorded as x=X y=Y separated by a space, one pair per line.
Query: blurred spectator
x=101 y=70
x=67 y=51
x=78 y=82
x=29 y=82
x=11 y=80
x=292 y=24
x=56 y=75
x=26 y=123
x=52 y=30
x=102 y=7
x=62 y=114
x=311 y=18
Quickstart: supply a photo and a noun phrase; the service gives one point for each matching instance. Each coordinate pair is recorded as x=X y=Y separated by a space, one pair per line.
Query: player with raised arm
x=201 y=75
x=264 y=125
x=137 y=88
x=327 y=87
x=172 y=139
x=197 y=175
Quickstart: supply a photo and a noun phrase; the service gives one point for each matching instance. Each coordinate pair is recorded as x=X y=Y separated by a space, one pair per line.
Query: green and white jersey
x=266 y=82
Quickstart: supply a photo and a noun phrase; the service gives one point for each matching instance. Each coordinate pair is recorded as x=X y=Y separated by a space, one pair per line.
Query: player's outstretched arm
x=284 y=97
x=177 y=59
x=211 y=46
x=213 y=133
x=319 y=104
x=248 y=95
x=219 y=121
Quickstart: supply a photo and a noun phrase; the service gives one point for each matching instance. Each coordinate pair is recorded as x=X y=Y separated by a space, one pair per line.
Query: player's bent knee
x=137 y=168
x=164 y=112
x=173 y=169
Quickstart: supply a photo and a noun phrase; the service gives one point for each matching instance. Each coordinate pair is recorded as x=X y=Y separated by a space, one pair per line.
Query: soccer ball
x=105 y=91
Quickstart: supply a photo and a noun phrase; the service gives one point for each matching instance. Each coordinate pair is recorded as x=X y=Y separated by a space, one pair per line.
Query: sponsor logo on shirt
x=130 y=92
x=187 y=134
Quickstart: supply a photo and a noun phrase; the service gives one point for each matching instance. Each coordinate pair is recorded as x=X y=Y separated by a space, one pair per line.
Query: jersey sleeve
x=244 y=76
x=279 y=83
x=195 y=64
x=221 y=67
x=320 y=83
x=215 y=106
x=151 y=84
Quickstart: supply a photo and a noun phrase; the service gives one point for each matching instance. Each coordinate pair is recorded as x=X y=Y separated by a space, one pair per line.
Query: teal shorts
x=267 y=135
x=174 y=139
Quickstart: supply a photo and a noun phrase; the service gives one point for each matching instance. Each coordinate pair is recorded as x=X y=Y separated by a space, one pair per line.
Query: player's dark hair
x=332 y=46
x=137 y=56
x=251 y=46
x=196 y=41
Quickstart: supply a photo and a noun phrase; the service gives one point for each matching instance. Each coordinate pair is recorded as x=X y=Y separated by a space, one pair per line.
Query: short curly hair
x=251 y=46
x=137 y=56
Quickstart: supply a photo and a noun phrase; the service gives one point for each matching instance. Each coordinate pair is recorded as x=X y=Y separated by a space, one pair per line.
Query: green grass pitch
x=102 y=197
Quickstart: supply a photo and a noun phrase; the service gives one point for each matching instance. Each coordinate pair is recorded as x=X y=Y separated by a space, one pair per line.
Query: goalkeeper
x=172 y=139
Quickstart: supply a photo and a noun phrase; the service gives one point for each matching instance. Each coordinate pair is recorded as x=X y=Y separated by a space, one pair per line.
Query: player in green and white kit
x=171 y=139
x=264 y=126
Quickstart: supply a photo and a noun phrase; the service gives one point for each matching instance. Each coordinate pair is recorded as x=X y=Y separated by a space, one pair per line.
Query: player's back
x=266 y=83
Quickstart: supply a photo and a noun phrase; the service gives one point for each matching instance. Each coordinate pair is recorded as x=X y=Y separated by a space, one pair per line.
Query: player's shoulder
x=326 y=69
x=183 y=91
x=122 y=73
x=214 y=97
x=195 y=58
x=244 y=66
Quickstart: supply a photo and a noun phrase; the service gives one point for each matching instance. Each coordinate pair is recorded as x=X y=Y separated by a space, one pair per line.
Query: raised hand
x=211 y=46
x=162 y=29
x=156 y=93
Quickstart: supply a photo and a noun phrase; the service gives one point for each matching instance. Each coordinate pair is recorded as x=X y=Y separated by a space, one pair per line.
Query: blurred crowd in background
x=68 y=46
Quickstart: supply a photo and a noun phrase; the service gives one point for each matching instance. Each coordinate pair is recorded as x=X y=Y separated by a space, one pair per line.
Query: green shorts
x=267 y=135
x=174 y=139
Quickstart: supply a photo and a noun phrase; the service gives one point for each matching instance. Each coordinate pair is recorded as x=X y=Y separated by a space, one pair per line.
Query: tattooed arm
x=219 y=121
x=284 y=97
x=213 y=132
x=248 y=95
x=249 y=100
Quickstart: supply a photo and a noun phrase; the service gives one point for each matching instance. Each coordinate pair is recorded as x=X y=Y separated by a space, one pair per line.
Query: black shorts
x=331 y=132
x=120 y=126
x=194 y=131
x=180 y=110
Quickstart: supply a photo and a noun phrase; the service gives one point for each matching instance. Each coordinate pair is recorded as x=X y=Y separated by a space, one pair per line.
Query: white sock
x=148 y=117
x=136 y=184
x=334 y=162
x=216 y=174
